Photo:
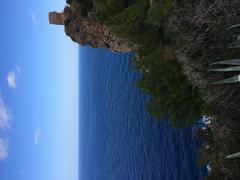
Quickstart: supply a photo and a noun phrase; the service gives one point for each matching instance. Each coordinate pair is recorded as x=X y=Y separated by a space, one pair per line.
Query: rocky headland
x=195 y=36
x=83 y=30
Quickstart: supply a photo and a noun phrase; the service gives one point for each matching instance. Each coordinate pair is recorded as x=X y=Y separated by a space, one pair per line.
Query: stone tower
x=56 y=18
x=86 y=31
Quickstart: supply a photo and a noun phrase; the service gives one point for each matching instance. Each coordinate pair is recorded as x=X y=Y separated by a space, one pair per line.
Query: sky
x=38 y=94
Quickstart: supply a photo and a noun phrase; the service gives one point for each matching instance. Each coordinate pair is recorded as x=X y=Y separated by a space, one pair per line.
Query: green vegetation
x=199 y=30
x=171 y=95
x=143 y=23
x=235 y=32
x=232 y=156
x=220 y=139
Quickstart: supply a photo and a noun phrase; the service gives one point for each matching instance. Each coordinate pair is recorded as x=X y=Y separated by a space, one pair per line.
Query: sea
x=118 y=139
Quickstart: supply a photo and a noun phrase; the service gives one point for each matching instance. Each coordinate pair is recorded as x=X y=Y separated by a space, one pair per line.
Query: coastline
x=179 y=42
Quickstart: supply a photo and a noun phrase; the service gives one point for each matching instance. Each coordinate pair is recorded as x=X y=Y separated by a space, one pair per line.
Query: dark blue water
x=118 y=139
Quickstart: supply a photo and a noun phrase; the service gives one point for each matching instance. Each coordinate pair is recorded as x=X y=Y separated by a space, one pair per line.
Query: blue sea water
x=118 y=139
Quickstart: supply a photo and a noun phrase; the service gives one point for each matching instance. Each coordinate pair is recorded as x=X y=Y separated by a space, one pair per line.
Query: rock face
x=85 y=31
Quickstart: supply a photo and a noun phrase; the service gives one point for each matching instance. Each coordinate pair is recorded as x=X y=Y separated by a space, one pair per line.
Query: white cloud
x=5 y=115
x=18 y=69
x=3 y=149
x=34 y=19
x=12 y=79
x=37 y=134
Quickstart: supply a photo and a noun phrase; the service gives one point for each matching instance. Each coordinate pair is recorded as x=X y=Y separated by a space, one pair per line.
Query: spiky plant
x=232 y=156
x=235 y=33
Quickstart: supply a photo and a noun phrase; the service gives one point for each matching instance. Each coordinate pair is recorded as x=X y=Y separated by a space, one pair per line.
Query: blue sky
x=38 y=94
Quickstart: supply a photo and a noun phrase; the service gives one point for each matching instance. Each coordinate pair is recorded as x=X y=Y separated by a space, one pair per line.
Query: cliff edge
x=84 y=30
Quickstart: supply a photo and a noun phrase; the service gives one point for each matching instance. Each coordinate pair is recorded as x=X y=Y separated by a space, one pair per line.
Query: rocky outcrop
x=86 y=31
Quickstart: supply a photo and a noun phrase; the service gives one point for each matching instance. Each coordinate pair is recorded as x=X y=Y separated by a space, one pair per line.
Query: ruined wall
x=56 y=18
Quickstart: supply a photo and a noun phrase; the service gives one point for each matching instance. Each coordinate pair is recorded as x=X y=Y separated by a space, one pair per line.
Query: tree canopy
x=144 y=23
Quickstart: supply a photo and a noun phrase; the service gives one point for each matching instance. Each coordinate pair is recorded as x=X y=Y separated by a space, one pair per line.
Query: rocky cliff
x=86 y=31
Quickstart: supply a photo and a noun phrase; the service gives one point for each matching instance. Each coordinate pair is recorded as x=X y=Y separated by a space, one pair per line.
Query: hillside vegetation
x=144 y=23
x=178 y=40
